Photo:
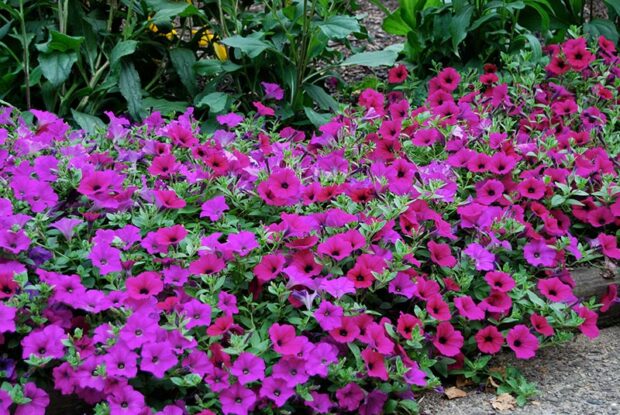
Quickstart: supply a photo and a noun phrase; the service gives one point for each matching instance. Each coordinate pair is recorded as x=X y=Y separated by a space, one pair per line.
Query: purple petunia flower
x=237 y=400
x=484 y=259
x=538 y=253
x=248 y=368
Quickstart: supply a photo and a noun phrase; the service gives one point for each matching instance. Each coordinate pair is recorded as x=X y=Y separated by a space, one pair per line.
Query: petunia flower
x=555 y=290
x=447 y=340
x=157 y=358
x=284 y=339
x=522 y=342
x=214 y=208
x=7 y=318
x=277 y=390
x=482 y=257
x=375 y=364
x=237 y=400
x=350 y=396
x=538 y=253
x=66 y=226
x=328 y=315
x=541 y=325
x=39 y=400
x=499 y=281
x=248 y=368
x=489 y=340
x=144 y=285
x=468 y=308
x=441 y=254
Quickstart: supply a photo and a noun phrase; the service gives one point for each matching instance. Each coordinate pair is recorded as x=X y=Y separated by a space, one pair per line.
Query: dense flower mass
x=258 y=269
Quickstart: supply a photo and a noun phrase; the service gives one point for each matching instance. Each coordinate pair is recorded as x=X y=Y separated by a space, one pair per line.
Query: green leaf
x=339 y=27
x=598 y=27
x=395 y=24
x=60 y=42
x=131 y=89
x=123 y=48
x=322 y=98
x=459 y=26
x=56 y=66
x=251 y=46
x=613 y=5
x=217 y=101
x=87 y=122
x=183 y=61
x=372 y=59
x=208 y=67
x=316 y=118
x=534 y=44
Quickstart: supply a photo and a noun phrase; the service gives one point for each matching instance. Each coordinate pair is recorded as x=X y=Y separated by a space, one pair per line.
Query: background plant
x=473 y=32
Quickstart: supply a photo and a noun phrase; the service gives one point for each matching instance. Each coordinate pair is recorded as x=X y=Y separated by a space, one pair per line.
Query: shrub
x=150 y=267
x=475 y=32
x=81 y=59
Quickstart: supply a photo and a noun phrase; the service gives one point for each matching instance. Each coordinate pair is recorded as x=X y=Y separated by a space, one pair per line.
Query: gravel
x=580 y=377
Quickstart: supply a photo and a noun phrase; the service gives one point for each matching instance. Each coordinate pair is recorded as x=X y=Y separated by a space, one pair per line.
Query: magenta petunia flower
x=248 y=368
x=230 y=120
x=214 y=208
x=66 y=226
x=441 y=254
x=292 y=369
x=277 y=390
x=44 y=343
x=237 y=400
x=555 y=290
x=447 y=340
x=120 y=361
x=199 y=314
x=263 y=110
x=406 y=323
x=402 y=285
x=496 y=302
x=375 y=364
x=522 y=342
x=468 y=308
x=227 y=303
x=541 y=325
x=328 y=315
x=169 y=199
x=272 y=91
x=7 y=318
x=531 y=188
x=106 y=258
x=347 y=332
x=144 y=285
x=489 y=340
x=438 y=308
x=499 y=281
x=242 y=243
x=350 y=396
x=609 y=245
x=588 y=327
x=207 y=264
x=157 y=358
x=125 y=400
x=14 y=242
x=482 y=257
x=39 y=400
x=172 y=235
x=284 y=339
x=538 y=253
x=337 y=247
x=318 y=358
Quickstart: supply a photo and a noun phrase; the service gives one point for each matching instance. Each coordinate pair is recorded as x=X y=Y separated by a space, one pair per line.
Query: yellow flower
x=171 y=34
x=220 y=51
x=207 y=39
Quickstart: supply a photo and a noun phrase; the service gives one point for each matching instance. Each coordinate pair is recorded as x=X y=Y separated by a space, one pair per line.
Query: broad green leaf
x=123 y=48
x=87 y=122
x=339 y=27
x=614 y=5
x=131 y=89
x=321 y=97
x=395 y=24
x=56 y=66
x=600 y=27
x=164 y=106
x=459 y=26
x=216 y=101
x=372 y=59
x=533 y=42
x=208 y=67
x=316 y=118
x=248 y=45
x=183 y=61
x=60 y=42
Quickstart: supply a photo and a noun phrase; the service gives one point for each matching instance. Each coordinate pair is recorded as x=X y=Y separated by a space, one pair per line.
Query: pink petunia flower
x=522 y=342
x=447 y=340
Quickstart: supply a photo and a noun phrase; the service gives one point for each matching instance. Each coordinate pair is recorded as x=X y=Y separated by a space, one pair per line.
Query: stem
x=26 y=53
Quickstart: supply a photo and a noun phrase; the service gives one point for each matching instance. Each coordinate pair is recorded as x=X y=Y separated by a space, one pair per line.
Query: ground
x=580 y=377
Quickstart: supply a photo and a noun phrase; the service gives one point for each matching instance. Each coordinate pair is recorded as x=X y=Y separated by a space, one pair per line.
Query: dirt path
x=581 y=378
